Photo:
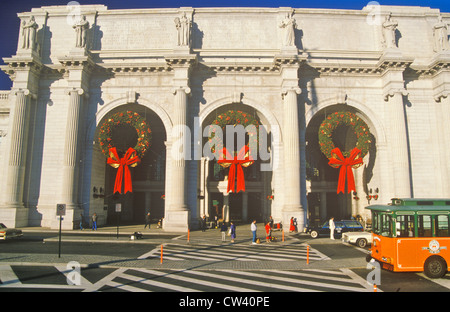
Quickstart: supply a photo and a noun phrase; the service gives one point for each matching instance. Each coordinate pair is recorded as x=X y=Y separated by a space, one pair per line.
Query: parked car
x=8 y=233
x=361 y=239
x=341 y=227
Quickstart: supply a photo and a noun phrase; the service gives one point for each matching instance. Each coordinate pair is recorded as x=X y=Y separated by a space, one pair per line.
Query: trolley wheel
x=435 y=267
x=314 y=234
x=361 y=242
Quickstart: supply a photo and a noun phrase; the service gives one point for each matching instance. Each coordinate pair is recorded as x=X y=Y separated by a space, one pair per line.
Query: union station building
x=315 y=83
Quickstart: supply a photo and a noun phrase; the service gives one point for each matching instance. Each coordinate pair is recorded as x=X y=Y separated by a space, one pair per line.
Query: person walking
x=268 y=232
x=81 y=221
x=253 y=228
x=232 y=231
x=94 y=222
x=203 y=223
x=147 y=220
x=292 y=227
x=332 y=226
x=223 y=230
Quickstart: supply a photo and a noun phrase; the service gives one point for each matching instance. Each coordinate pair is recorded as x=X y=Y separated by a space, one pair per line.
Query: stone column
x=291 y=143
x=70 y=160
x=178 y=156
x=177 y=214
x=18 y=151
x=399 y=143
x=244 y=206
x=226 y=207
x=443 y=125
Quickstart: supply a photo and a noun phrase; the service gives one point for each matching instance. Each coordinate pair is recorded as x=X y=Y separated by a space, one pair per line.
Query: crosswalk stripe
x=99 y=284
x=195 y=281
x=298 y=281
x=65 y=271
x=310 y=274
x=7 y=275
x=125 y=287
x=234 y=252
x=444 y=281
x=265 y=284
x=358 y=279
x=321 y=284
x=156 y=283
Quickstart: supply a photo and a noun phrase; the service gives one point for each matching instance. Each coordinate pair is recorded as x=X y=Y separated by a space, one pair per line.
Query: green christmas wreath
x=234 y=117
x=332 y=121
x=125 y=118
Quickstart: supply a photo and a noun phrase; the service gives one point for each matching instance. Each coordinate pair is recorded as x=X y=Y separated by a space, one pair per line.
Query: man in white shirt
x=332 y=227
x=253 y=229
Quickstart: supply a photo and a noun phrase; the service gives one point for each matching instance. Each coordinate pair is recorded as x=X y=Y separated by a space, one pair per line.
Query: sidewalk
x=111 y=234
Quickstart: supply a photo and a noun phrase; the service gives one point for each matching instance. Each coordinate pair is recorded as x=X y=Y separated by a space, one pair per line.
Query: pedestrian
x=203 y=223
x=292 y=225
x=332 y=226
x=147 y=220
x=253 y=228
x=94 y=222
x=81 y=221
x=271 y=222
x=268 y=232
x=232 y=231
x=223 y=230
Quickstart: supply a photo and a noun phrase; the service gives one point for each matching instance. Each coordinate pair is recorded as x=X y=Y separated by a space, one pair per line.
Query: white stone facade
x=288 y=67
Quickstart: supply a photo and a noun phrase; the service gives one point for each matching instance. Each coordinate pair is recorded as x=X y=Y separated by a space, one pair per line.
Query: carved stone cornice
x=439 y=63
x=181 y=60
x=357 y=68
x=76 y=62
x=30 y=62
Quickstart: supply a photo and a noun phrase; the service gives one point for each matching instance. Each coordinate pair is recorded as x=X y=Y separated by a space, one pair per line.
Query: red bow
x=130 y=159
x=346 y=164
x=242 y=159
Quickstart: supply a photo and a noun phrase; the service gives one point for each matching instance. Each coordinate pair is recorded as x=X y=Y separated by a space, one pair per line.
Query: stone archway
x=148 y=177
x=243 y=206
x=323 y=200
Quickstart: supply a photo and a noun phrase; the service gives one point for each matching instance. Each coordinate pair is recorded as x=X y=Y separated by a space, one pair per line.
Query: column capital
x=25 y=92
x=295 y=89
x=394 y=91
x=442 y=95
x=79 y=91
x=186 y=90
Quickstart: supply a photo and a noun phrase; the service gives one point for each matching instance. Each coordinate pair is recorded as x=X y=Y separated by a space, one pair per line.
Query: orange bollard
x=189 y=232
x=307 y=254
x=161 y=253
x=374 y=287
x=282 y=235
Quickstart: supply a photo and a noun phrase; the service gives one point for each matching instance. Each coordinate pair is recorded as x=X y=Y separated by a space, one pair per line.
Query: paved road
x=204 y=264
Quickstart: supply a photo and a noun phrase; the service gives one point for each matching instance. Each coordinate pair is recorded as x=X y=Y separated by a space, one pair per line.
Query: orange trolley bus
x=412 y=235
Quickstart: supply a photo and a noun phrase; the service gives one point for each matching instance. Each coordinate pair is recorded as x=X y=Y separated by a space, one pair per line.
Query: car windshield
x=2 y=226
x=352 y=224
x=382 y=224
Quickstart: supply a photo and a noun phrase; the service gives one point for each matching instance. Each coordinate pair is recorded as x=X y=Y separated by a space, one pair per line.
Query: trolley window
x=424 y=226
x=442 y=226
x=405 y=226
x=382 y=224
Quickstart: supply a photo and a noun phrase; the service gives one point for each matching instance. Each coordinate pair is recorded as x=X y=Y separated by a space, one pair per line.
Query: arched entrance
x=148 y=178
x=322 y=179
x=214 y=198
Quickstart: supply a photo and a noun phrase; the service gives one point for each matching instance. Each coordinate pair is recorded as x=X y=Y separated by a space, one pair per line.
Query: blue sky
x=9 y=23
